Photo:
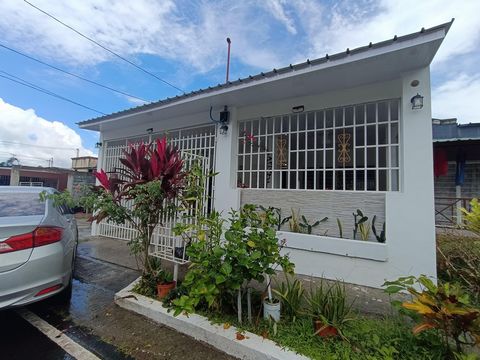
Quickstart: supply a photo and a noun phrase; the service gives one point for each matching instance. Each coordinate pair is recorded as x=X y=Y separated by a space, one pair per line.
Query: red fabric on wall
x=440 y=162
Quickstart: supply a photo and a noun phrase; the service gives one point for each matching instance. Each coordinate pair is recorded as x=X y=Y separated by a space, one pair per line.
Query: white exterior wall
x=410 y=247
x=410 y=232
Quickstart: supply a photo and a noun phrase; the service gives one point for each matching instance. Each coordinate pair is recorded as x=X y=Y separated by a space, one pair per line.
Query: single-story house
x=325 y=137
x=456 y=149
x=54 y=177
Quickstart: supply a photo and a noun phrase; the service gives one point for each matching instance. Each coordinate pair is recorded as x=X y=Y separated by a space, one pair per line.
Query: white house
x=325 y=137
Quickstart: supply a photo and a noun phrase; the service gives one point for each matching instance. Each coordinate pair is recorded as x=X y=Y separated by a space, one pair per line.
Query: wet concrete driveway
x=94 y=321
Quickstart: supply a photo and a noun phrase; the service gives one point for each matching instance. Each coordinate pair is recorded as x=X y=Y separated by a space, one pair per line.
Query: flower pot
x=323 y=330
x=164 y=289
x=271 y=310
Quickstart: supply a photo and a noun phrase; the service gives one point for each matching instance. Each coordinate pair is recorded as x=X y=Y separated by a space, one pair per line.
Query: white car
x=38 y=243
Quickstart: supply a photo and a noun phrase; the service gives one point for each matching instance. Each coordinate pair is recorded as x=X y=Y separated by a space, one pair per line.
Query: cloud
x=457 y=98
x=356 y=23
x=193 y=33
x=190 y=35
x=277 y=9
x=19 y=126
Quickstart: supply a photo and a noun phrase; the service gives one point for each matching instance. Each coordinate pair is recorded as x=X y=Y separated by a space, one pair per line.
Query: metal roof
x=447 y=130
x=269 y=74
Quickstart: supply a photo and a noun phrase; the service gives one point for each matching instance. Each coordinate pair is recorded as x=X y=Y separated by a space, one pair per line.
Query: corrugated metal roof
x=269 y=74
x=448 y=130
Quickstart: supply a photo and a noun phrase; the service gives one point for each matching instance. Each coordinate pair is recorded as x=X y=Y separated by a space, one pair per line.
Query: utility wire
x=104 y=47
x=34 y=145
x=24 y=156
x=45 y=91
x=72 y=74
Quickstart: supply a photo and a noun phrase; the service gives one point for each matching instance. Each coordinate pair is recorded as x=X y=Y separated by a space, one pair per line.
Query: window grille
x=353 y=147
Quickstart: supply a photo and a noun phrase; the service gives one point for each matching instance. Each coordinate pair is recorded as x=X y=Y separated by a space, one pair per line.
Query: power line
x=23 y=156
x=48 y=92
x=104 y=47
x=72 y=74
x=34 y=145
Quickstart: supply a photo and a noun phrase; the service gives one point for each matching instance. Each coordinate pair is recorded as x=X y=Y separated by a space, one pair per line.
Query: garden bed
x=200 y=328
x=367 y=337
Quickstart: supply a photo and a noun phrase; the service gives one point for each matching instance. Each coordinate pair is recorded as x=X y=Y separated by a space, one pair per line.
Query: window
x=347 y=148
x=20 y=204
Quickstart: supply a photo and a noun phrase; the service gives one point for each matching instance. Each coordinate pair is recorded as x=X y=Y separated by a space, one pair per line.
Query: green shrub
x=223 y=263
x=472 y=217
x=458 y=260
x=291 y=296
x=328 y=303
x=444 y=307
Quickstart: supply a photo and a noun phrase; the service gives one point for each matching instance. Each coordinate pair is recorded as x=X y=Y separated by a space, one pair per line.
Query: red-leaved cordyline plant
x=151 y=179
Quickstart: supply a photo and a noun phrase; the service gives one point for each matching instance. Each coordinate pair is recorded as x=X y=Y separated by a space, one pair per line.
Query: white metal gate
x=195 y=146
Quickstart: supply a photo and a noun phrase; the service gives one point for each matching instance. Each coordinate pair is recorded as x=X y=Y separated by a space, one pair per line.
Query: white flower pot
x=271 y=310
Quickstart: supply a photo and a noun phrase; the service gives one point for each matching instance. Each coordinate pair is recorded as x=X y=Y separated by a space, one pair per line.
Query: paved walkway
x=103 y=267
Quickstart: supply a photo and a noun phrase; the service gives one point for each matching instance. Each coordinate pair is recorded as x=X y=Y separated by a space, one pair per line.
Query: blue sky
x=184 y=43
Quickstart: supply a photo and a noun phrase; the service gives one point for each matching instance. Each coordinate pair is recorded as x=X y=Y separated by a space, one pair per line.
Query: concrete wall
x=316 y=205
x=445 y=185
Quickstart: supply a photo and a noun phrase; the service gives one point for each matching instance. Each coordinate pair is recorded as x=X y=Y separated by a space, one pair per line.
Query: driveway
x=92 y=320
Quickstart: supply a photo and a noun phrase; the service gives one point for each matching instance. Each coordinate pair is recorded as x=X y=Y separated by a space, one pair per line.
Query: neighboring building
x=328 y=137
x=456 y=168
x=57 y=178
x=84 y=163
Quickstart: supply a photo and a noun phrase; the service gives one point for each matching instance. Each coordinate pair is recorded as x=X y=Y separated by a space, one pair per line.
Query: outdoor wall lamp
x=417 y=101
x=298 y=109
x=98 y=145
x=223 y=121
x=223 y=129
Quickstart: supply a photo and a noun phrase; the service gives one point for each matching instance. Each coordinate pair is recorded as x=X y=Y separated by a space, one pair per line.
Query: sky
x=183 y=43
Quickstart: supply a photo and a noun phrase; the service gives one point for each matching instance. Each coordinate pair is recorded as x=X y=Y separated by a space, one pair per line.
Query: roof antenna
x=228 y=60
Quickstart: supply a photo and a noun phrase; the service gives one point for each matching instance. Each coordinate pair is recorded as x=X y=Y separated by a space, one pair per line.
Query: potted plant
x=329 y=309
x=271 y=309
x=165 y=283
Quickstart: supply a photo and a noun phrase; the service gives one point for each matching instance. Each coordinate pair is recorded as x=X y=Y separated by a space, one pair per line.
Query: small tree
x=144 y=192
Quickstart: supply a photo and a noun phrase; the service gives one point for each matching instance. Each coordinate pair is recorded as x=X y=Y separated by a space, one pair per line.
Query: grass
x=366 y=338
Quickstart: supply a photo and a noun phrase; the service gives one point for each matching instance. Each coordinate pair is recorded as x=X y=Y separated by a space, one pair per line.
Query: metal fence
x=195 y=147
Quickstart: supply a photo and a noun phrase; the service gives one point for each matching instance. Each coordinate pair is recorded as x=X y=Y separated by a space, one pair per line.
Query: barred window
x=346 y=148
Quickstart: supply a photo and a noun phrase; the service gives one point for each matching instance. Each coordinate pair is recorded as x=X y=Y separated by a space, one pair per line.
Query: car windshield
x=20 y=204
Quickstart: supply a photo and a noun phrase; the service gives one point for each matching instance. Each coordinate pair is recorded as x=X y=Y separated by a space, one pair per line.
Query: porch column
x=226 y=192
x=410 y=212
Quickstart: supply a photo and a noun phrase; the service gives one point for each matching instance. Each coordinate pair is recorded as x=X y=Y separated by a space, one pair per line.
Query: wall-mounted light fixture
x=298 y=109
x=149 y=130
x=223 y=121
x=98 y=145
x=417 y=101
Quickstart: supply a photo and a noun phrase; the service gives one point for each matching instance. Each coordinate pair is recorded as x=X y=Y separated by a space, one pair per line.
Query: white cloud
x=193 y=36
x=24 y=126
x=277 y=9
x=193 y=33
x=457 y=98
x=352 y=24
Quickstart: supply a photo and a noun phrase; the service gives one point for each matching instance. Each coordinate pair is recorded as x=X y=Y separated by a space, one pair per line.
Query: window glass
x=21 y=204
